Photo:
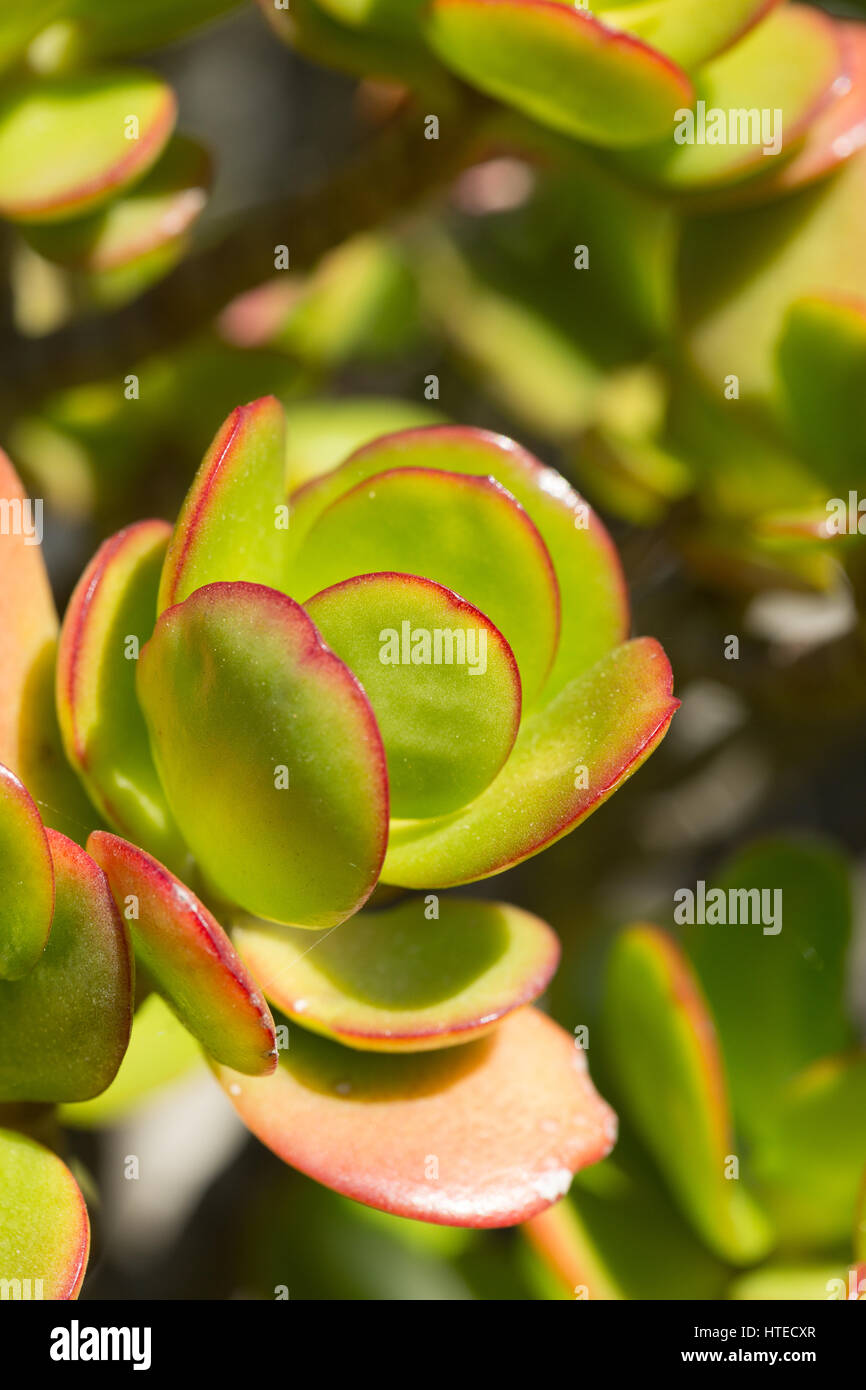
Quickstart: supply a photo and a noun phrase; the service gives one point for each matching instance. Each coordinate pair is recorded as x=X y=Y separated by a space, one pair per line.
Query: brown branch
x=390 y=176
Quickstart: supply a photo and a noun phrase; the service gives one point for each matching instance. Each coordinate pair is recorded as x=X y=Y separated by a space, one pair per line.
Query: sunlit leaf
x=689 y=31
x=463 y=532
x=269 y=754
x=110 y=616
x=188 y=957
x=68 y=143
x=44 y=1228
x=404 y=979
x=561 y=66
x=569 y=758
x=64 y=1027
x=449 y=715
x=594 y=604
x=26 y=879
x=486 y=1134
x=229 y=527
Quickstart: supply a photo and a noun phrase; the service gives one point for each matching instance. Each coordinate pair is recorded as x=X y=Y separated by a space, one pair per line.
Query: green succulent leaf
x=465 y=533
x=155 y=213
x=161 y=1050
x=249 y=711
x=229 y=525
x=26 y=879
x=44 y=1228
x=64 y=1027
x=67 y=143
x=787 y=64
x=778 y=997
x=104 y=733
x=509 y=1118
x=792 y=1283
x=810 y=1161
x=735 y=306
x=689 y=31
x=569 y=758
x=594 y=605
x=441 y=678
x=188 y=957
x=560 y=66
x=20 y=22
x=822 y=379
x=401 y=980
x=662 y=1045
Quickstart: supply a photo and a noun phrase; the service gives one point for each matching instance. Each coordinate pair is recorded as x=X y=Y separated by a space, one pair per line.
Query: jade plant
x=740 y=1079
x=410 y=674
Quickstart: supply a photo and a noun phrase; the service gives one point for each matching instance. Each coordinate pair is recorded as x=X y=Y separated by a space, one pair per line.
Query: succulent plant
x=453 y=692
x=740 y=1083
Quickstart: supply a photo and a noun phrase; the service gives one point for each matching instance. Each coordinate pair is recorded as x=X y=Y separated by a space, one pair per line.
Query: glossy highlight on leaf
x=509 y=1118
x=465 y=533
x=104 y=734
x=400 y=981
x=189 y=957
x=228 y=527
x=64 y=1027
x=44 y=1227
x=269 y=754
x=441 y=678
x=26 y=879
x=561 y=66
x=66 y=143
x=570 y=756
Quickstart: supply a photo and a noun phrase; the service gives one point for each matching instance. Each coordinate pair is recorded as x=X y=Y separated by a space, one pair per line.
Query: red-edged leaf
x=486 y=1134
x=189 y=957
x=26 y=879
x=44 y=1228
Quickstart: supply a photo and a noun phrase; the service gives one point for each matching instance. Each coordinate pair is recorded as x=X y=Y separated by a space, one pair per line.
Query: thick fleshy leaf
x=486 y=1134
x=466 y=533
x=810 y=1162
x=110 y=616
x=365 y=50
x=569 y=758
x=783 y=72
x=399 y=981
x=839 y=129
x=441 y=678
x=160 y=1052
x=821 y=360
x=30 y=744
x=26 y=879
x=778 y=996
x=154 y=214
x=689 y=31
x=269 y=754
x=561 y=66
x=662 y=1045
x=188 y=957
x=229 y=525
x=594 y=603
x=44 y=1228
x=64 y=1027
x=735 y=305
x=68 y=143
